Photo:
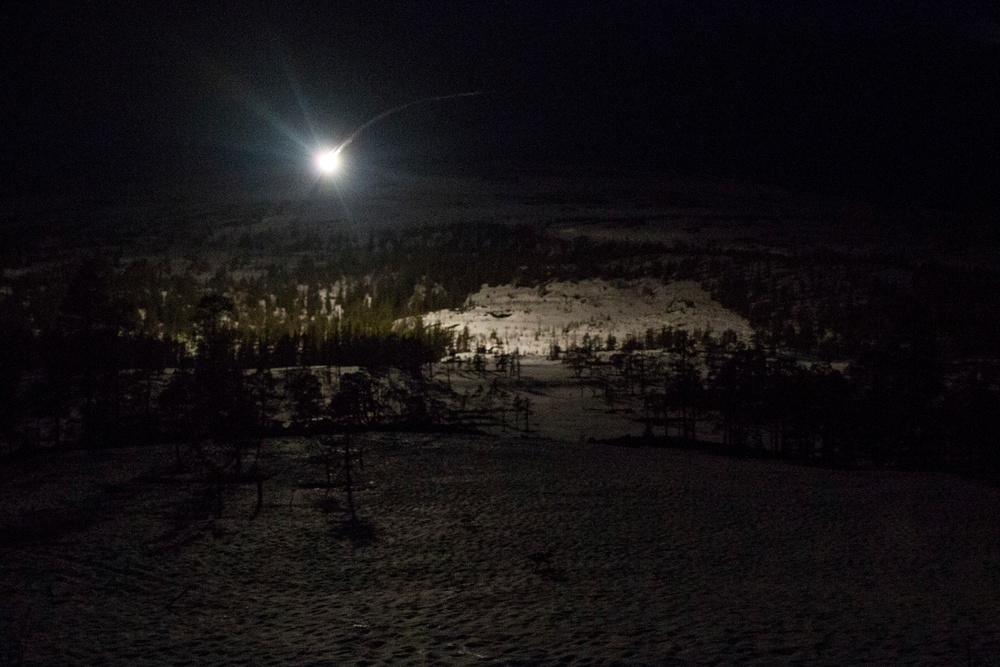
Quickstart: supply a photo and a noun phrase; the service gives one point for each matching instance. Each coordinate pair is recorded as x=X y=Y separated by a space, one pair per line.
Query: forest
x=855 y=361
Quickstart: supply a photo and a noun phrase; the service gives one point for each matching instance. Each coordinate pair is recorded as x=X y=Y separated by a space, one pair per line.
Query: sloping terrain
x=499 y=551
x=561 y=313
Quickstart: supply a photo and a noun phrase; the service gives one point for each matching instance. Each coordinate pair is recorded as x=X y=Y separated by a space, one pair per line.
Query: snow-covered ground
x=501 y=551
x=509 y=548
x=532 y=319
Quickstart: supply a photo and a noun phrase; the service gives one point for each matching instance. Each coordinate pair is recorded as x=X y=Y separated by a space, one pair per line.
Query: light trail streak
x=328 y=161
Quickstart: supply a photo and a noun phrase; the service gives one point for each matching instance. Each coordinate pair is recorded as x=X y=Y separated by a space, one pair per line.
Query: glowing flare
x=385 y=114
x=328 y=161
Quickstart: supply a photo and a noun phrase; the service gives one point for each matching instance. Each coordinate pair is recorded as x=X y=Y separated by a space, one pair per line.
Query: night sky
x=888 y=101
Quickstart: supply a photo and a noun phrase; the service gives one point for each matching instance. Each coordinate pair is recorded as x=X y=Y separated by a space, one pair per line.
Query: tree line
x=896 y=405
x=85 y=344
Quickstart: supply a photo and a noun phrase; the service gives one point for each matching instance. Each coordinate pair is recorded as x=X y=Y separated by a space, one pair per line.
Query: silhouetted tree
x=264 y=388
x=352 y=408
x=684 y=394
x=897 y=387
x=523 y=406
x=972 y=424
x=90 y=322
x=827 y=414
x=737 y=385
x=355 y=404
x=307 y=398
x=176 y=405
x=13 y=346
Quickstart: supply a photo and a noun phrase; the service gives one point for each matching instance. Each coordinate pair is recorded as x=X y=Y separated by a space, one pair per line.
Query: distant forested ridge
x=88 y=340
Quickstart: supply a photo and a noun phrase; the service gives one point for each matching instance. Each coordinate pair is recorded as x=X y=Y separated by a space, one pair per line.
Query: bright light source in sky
x=328 y=162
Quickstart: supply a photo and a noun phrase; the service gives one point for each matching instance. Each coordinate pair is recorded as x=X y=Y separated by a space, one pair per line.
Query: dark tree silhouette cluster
x=101 y=351
x=893 y=406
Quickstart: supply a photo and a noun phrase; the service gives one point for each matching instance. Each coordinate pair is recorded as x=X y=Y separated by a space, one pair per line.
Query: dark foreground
x=493 y=551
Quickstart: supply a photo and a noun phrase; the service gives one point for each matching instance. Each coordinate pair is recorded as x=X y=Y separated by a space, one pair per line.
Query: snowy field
x=508 y=548
x=500 y=551
x=562 y=407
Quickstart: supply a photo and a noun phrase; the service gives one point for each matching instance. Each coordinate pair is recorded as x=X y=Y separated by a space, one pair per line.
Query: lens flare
x=328 y=162
x=385 y=114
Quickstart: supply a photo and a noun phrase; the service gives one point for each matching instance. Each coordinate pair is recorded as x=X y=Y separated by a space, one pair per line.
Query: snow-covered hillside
x=502 y=552
x=532 y=319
